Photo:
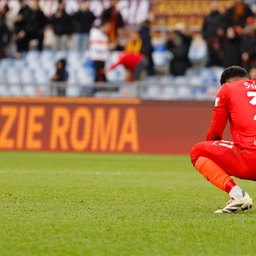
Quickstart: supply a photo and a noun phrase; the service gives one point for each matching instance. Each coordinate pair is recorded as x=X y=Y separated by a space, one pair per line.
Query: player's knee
x=195 y=153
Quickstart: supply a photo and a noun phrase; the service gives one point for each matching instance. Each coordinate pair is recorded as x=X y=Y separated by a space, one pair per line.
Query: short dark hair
x=233 y=71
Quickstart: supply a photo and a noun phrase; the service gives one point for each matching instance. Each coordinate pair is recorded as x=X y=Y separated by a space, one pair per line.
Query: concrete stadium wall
x=102 y=125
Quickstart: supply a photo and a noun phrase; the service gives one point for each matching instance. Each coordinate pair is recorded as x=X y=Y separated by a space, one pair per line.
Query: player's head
x=233 y=74
x=104 y=26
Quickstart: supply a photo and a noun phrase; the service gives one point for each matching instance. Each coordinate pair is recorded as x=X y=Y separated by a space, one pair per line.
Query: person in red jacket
x=134 y=63
x=217 y=159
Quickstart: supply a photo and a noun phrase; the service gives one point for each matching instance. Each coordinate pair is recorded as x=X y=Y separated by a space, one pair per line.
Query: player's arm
x=219 y=117
x=114 y=65
x=119 y=62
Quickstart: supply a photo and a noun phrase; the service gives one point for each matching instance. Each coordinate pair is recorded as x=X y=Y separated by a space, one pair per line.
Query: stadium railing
x=179 y=89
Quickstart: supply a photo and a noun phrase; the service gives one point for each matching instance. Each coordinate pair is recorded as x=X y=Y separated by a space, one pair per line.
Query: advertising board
x=98 y=125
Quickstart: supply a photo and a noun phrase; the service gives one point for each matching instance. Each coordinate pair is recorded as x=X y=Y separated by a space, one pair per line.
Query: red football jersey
x=236 y=102
x=129 y=60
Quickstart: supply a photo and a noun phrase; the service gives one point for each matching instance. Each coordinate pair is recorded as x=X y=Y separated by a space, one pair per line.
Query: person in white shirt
x=99 y=49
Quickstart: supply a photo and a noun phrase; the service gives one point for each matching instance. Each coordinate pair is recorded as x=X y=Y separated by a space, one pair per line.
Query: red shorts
x=237 y=162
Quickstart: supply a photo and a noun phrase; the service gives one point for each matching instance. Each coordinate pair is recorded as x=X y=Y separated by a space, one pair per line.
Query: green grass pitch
x=96 y=204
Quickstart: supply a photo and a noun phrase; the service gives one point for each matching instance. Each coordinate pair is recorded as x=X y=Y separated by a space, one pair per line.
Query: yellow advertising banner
x=192 y=12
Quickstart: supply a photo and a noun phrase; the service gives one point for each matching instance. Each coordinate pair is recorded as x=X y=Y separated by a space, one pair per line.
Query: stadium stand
x=24 y=77
x=31 y=74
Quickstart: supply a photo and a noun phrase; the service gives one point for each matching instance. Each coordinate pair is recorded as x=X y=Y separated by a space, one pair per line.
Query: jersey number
x=253 y=100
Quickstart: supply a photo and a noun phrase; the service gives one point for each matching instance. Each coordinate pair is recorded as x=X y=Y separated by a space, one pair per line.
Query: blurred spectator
x=178 y=44
x=237 y=14
x=115 y=19
x=248 y=44
x=134 y=44
x=99 y=49
x=135 y=52
x=213 y=31
x=7 y=16
x=135 y=64
x=82 y=24
x=252 y=73
x=147 y=46
x=5 y=36
x=121 y=40
x=61 y=75
x=231 y=48
x=4 y=11
x=21 y=28
x=37 y=24
x=61 y=23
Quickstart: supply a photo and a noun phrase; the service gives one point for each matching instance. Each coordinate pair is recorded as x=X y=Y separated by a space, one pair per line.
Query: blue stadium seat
x=180 y=80
x=72 y=76
x=200 y=93
x=206 y=72
x=212 y=91
x=75 y=64
x=193 y=72
x=74 y=56
x=6 y=64
x=46 y=56
x=184 y=92
x=116 y=75
x=42 y=76
x=166 y=80
x=12 y=71
x=198 y=51
x=208 y=76
x=169 y=93
x=73 y=91
x=13 y=79
x=29 y=90
x=160 y=58
x=49 y=68
x=27 y=76
x=12 y=75
x=41 y=80
x=85 y=76
x=60 y=55
x=195 y=81
x=153 y=79
x=160 y=55
x=153 y=92
x=32 y=56
x=113 y=57
x=2 y=76
x=19 y=63
x=34 y=64
x=4 y=90
x=217 y=72
x=15 y=90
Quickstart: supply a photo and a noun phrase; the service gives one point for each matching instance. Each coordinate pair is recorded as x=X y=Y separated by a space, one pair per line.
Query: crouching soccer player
x=217 y=159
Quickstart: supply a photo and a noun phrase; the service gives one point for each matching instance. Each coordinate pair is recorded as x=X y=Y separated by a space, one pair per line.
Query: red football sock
x=213 y=173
